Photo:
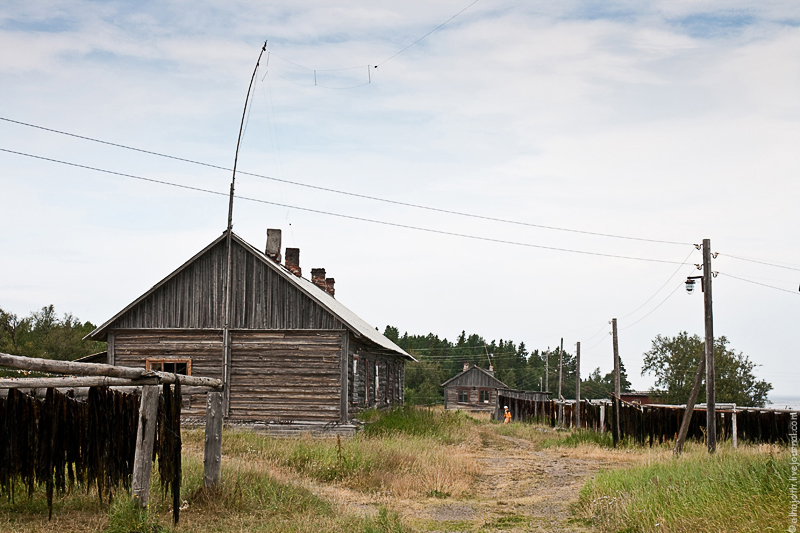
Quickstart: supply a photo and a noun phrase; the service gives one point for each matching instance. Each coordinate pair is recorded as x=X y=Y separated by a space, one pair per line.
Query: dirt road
x=520 y=487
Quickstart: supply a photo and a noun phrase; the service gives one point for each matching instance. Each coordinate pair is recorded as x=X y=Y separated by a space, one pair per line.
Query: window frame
x=150 y=361
x=464 y=391
x=488 y=393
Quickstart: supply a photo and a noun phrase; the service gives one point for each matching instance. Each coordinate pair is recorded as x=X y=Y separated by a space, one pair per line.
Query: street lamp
x=690 y=284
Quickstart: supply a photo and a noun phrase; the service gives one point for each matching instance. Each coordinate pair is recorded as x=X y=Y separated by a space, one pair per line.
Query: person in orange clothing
x=506 y=415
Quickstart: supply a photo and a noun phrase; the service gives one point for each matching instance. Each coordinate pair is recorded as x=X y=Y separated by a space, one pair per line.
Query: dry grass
x=403 y=466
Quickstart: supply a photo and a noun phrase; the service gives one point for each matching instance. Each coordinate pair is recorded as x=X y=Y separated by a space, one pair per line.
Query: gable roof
x=349 y=319
x=487 y=378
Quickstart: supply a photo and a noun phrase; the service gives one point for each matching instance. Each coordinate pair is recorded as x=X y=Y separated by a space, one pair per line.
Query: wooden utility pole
x=687 y=415
x=578 y=385
x=226 y=333
x=617 y=387
x=547 y=370
x=560 y=364
x=711 y=419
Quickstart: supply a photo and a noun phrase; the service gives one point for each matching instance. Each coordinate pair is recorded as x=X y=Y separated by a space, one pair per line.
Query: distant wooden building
x=642 y=397
x=474 y=389
x=298 y=356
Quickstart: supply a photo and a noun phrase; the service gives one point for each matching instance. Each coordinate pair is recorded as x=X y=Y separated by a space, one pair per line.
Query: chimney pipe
x=466 y=367
x=293 y=261
x=274 y=245
x=318 y=277
x=329 y=286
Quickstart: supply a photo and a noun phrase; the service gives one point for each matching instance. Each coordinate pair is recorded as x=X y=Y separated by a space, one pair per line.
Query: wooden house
x=298 y=357
x=474 y=389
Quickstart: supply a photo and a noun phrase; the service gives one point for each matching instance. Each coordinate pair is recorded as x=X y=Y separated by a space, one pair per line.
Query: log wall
x=362 y=384
x=474 y=404
x=278 y=377
x=284 y=377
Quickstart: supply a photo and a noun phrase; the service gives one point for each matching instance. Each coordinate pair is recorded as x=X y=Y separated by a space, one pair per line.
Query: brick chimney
x=491 y=370
x=293 y=261
x=466 y=367
x=274 y=245
x=318 y=277
x=329 y=286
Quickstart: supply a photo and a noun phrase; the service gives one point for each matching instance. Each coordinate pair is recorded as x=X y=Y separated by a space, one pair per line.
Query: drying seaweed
x=168 y=445
x=58 y=442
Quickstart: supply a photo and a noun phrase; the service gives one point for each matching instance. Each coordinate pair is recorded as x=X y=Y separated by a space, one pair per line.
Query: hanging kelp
x=60 y=441
x=168 y=444
x=18 y=414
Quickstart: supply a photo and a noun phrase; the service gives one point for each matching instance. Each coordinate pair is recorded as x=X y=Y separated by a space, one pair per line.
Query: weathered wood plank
x=145 y=437
x=212 y=455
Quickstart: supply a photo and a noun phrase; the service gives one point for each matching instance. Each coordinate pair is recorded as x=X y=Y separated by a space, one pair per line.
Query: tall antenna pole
x=226 y=333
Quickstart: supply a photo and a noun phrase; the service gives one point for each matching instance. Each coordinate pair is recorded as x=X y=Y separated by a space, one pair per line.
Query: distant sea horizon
x=783 y=401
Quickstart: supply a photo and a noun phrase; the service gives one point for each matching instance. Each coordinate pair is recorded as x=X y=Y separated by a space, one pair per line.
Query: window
x=485 y=396
x=463 y=396
x=171 y=365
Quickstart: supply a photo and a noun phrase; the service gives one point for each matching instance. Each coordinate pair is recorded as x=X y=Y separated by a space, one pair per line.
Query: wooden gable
x=192 y=297
x=475 y=377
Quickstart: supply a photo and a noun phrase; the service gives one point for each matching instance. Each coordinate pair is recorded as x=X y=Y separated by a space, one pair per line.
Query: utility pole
x=547 y=370
x=711 y=419
x=707 y=359
x=578 y=386
x=617 y=387
x=560 y=399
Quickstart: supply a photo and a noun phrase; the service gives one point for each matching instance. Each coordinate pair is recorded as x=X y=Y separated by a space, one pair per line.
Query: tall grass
x=405 y=456
x=446 y=427
x=734 y=490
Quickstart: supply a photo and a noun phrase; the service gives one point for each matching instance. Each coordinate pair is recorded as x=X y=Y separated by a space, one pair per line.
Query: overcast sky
x=671 y=121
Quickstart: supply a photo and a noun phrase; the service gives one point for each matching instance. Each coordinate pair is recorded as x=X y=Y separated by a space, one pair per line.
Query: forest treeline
x=516 y=366
x=45 y=334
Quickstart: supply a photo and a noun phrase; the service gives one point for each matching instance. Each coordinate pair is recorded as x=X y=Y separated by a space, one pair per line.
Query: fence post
x=734 y=438
x=145 y=437
x=212 y=456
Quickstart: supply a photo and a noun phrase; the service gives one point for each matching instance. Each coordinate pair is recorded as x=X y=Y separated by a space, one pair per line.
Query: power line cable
x=348 y=193
x=656 y=307
x=660 y=288
x=351 y=217
x=596 y=334
x=596 y=344
x=758 y=283
x=760 y=262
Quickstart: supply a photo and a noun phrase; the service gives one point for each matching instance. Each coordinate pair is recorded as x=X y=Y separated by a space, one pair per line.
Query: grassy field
x=419 y=469
x=736 y=490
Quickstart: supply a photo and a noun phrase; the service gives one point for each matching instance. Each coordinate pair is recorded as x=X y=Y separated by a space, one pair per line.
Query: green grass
x=447 y=427
x=734 y=490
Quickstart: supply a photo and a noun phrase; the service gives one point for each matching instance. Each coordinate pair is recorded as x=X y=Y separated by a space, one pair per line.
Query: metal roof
x=352 y=321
